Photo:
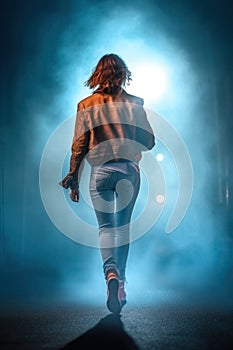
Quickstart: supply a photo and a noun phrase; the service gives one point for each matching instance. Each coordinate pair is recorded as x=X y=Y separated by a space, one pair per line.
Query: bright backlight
x=149 y=82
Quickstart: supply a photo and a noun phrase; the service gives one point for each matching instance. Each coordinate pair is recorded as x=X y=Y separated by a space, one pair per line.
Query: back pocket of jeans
x=100 y=180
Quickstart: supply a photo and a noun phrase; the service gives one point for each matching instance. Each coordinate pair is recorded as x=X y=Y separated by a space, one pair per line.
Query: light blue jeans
x=114 y=190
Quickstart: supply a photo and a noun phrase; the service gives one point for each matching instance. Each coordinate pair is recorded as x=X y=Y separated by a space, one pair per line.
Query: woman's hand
x=74 y=195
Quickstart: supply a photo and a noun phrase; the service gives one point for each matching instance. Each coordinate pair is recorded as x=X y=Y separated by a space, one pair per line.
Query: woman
x=111 y=131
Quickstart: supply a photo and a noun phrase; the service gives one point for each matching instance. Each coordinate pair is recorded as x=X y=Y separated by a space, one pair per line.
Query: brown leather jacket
x=108 y=128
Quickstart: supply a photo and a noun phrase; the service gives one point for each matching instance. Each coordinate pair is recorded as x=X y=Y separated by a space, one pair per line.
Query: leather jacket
x=108 y=128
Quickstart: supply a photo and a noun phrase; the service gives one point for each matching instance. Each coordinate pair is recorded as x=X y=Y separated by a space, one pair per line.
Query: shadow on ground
x=108 y=334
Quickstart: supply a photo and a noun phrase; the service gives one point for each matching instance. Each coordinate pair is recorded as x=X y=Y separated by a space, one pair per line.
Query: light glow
x=160 y=198
x=149 y=81
x=159 y=157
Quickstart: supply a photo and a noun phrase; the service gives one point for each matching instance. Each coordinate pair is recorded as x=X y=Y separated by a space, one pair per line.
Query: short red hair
x=109 y=74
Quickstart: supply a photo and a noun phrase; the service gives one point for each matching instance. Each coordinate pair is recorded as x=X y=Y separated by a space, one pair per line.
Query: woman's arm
x=79 y=149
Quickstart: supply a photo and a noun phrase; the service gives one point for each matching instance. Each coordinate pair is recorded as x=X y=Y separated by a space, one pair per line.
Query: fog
x=50 y=49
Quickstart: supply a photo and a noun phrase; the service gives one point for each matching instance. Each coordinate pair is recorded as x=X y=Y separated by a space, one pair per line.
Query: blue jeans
x=113 y=195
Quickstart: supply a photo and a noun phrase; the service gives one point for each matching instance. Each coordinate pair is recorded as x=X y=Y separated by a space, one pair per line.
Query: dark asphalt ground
x=71 y=326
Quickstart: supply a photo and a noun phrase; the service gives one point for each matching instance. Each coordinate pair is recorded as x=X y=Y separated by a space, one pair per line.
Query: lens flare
x=160 y=157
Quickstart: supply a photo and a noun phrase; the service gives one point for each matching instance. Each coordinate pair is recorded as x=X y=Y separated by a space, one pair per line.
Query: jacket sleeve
x=79 y=149
x=144 y=133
